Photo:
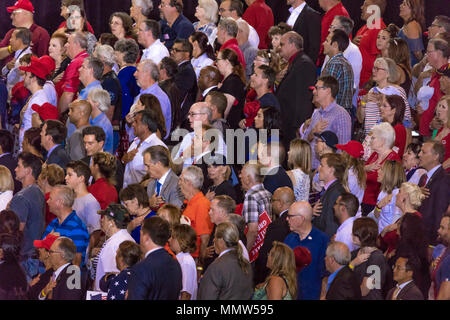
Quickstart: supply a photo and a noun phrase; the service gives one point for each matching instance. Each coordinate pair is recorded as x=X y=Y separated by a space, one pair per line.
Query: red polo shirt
x=70 y=79
x=233 y=45
x=39 y=37
x=369 y=51
x=327 y=19
x=428 y=115
x=259 y=15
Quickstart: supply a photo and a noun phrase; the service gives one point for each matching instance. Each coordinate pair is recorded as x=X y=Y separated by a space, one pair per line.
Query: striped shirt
x=339 y=68
x=72 y=227
x=256 y=201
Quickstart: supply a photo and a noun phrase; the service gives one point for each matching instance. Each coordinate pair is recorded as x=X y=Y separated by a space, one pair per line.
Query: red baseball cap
x=45 y=243
x=21 y=4
x=302 y=258
x=353 y=148
x=36 y=67
x=49 y=63
x=46 y=111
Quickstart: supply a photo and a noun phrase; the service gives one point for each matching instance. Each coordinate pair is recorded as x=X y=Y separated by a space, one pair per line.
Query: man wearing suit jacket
x=293 y=92
x=436 y=186
x=185 y=79
x=406 y=289
x=53 y=133
x=163 y=186
x=306 y=22
x=6 y=157
x=275 y=175
x=66 y=282
x=331 y=172
x=342 y=283
x=277 y=231
x=158 y=276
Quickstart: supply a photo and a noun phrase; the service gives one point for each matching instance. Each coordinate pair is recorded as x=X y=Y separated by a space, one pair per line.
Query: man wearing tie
x=163 y=186
x=435 y=185
x=406 y=289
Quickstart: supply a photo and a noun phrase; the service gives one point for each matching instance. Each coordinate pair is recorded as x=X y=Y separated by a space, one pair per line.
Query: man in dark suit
x=282 y=199
x=293 y=92
x=185 y=79
x=163 y=185
x=271 y=157
x=436 y=186
x=342 y=283
x=208 y=80
x=66 y=283
x=331 y=172
x=53 y=134
x=406 y=289
x=306 y=22
x=94 y=141
x=6 y=157
x=158 y=276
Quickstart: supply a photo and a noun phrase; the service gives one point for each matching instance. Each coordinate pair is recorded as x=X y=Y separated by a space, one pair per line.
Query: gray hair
x=194 y=175
x=243 y=27
x=145 y=5
x=294 y=38
x=384 y=131
x=68 y=248
x=97 y=67
x=102 y=97
x=391 y=66
x=106 y=54
x=238 y=221
x=81 y=39
x=211 y=9
x=229 y=25
x=66 y=194
x=208 y=111
x=148 y=65
x=346 y=24
x=254 y=169
x=339 y=252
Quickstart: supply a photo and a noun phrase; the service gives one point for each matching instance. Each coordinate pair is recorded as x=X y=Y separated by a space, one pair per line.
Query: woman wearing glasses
x=121 y=26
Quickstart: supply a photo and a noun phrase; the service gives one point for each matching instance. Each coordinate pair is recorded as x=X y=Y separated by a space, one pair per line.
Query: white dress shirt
x=155 y=52
x=189 y=274
x=294 y=14
x=135 y=169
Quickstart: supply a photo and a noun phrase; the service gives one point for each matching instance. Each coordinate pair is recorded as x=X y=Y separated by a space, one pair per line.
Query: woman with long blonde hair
x=299 y=160
x=281 y=283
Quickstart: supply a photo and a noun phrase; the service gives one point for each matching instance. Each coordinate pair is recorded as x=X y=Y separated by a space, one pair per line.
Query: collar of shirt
x=153 y=250
x=51 y=150
x=121 y=232
x=255 y=188
x=281 y=214
x=331 y=277
x=225 y=251
x=328 y=108
x=82 y=53
x=94 y=83
x=59 y=270
x=195 y=198
x=183 y=62
x=345 y=223
x=4 y=154
x=339 y=55
x=432 y=171
x=404 y=284
x=231 y=42
x=155 y=43
x=295 y=12
x=94 y=121
x=149 y=89
x=291 y=59
x=208 y=90
x=163 y=178
x=329 y=184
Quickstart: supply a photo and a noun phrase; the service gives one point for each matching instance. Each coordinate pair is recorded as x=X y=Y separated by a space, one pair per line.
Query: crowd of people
x=228 y=157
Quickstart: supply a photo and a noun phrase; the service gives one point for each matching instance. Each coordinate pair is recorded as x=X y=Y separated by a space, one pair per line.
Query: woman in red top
x=382 y=138
x=103 y=170
x=443 y=134
x=393 y=112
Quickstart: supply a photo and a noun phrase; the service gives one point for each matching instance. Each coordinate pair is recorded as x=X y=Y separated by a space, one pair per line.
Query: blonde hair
x=393 y=175
x=6 y=180
x=446 y=98
x=229 y=233
x=283 y=265
x=53 y=174
x=414 y=193
x=391 y=66
x=301 y=155
x=358 y=167
x=211 y=9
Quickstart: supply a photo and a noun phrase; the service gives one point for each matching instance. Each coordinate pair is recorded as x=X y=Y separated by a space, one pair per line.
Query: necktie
x=158 y=188
x=395 y=294
x=423 y=180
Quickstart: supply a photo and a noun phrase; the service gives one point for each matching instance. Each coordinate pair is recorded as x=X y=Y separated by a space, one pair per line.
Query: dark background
x=98 y=12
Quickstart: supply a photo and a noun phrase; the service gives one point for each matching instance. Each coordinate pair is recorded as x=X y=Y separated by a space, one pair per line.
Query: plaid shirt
x=341 y=69
x=256 y=201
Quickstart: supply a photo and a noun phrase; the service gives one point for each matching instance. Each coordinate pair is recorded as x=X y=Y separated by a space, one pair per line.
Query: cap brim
x=38 y=243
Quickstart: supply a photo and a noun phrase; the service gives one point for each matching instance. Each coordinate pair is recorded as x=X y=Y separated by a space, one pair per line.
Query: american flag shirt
x=116 y=286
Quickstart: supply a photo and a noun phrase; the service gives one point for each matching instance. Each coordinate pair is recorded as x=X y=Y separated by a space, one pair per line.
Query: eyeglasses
x=51 y=251
x=317 y=87
x=223 y=10
x=191 y=114
x=376 y=69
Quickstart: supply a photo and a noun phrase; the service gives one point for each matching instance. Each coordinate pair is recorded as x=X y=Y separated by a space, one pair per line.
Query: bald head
x=302 y=208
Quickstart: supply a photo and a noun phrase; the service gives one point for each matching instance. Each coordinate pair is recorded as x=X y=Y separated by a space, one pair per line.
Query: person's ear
x=1 y=254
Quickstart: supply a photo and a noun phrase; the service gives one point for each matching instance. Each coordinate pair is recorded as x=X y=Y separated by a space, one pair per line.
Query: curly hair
x=106 y=164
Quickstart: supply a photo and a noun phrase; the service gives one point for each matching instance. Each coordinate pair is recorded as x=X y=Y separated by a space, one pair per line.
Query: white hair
x=148 y=65
x=102 y=97
x=339 y=252
x=106 y=54
x=211 y=8
x=145 y=5
x=385 y=132
x=194 y=175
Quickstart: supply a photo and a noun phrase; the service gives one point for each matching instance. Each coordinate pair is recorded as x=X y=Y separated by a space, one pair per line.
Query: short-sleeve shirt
x=107 y=255
x=443 y=272
x=256 y=201
x=189 y=272
x=70 y=80
x=309 y=279
x=234 y=86
x=104 y=192
x=72 y=227
x=86 y=209
x=197 y=210
x=29 y=204
x=75 y=145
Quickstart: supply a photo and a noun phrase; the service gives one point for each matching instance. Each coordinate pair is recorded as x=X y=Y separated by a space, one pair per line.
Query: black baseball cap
x=329 y=137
